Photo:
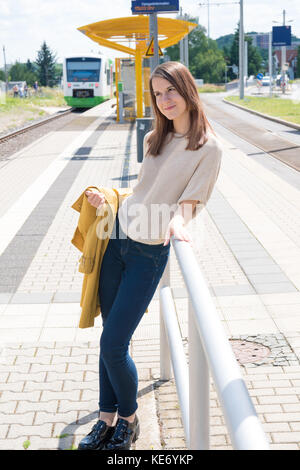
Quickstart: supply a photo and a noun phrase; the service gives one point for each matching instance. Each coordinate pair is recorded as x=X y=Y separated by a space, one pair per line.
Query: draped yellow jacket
x=91 y=238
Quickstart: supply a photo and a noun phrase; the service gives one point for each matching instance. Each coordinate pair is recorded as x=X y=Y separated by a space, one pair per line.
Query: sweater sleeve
x=145 y=147
x=202 y=181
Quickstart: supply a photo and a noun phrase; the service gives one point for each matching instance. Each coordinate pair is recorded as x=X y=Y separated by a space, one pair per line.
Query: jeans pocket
x=159 y=254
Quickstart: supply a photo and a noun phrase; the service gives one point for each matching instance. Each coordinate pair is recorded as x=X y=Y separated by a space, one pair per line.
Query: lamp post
x=241 y=50
x=241 y=39
x=283 y=53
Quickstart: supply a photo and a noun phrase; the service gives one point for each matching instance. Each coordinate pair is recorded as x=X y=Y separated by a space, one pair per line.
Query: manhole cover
x=248 y=351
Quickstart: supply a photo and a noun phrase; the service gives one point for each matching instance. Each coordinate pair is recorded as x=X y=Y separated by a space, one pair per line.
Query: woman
x=180 y=167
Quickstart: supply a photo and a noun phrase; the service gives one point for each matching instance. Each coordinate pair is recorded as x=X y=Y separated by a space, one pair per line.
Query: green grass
x=286 y=109
x=15 y=112
x=26 y=444
x=208 y=88
x=15 y=104
x=47 y=97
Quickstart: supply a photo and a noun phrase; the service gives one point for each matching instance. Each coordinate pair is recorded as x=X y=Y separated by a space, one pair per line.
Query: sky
x=25 y=24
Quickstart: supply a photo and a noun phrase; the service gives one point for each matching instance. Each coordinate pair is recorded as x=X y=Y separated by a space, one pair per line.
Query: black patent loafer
x=125 y=434
x=97 y=438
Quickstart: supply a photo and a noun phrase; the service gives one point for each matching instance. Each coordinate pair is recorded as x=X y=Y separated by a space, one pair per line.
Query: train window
x=83 y=71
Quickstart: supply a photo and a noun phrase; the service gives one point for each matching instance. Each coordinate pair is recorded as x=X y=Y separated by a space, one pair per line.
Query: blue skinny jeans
x=130 y=273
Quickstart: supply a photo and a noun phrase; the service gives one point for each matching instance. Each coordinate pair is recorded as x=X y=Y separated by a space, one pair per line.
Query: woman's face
x=170 y=103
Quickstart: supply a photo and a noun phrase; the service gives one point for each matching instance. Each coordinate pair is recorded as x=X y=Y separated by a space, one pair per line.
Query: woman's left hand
x=177 y=228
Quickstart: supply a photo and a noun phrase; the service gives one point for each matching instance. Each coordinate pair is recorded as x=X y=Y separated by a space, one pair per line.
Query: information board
x=154 y=6
x=281 y=36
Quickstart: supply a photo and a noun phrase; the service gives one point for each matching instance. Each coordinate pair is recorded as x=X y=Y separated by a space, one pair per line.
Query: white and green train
x=88 y=80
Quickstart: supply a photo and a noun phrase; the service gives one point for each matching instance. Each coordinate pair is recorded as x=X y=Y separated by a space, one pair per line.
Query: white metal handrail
x=209 y=351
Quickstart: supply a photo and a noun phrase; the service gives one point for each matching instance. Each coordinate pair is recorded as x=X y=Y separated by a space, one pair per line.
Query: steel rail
x=25 y=129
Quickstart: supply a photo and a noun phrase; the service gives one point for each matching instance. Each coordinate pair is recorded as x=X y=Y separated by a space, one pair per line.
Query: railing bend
x=209 y=352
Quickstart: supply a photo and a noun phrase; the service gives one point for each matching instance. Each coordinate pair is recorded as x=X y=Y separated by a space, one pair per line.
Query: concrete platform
x=247 y=245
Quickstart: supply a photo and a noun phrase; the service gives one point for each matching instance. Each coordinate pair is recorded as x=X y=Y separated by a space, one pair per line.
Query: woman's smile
x=170 y=107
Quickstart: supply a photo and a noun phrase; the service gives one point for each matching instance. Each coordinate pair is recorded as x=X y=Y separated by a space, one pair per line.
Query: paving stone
x=43 y=417
x=23 y=419
x=87 y=405
x=34 y=368
x=8 y=407
x=286 y=417
x=13 y=396
x=286 y=437
x=19 y=377
x=49 y=443
x=284 y=447
x=48 y=406
x=295 y=426
x=3 y=431
x=13 y=387
x=12 y=444
x=277 y=399
x=276 y=427
x=87 y=385
x=53 y=386
x=49 y=395
x=17 y=430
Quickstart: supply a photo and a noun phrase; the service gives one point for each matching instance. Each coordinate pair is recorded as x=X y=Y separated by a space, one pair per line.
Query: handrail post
x=198 y=387
x=165 y=357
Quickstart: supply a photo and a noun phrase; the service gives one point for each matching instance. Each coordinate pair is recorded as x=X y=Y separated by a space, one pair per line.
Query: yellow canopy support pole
x=117 y=68
x=139 y=82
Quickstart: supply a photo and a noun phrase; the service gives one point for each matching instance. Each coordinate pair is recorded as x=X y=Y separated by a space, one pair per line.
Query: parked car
x=266 y=81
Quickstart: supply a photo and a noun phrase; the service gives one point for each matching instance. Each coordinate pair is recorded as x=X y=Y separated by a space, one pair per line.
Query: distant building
x=291 y=59
x=262 y=40
x=259 y=40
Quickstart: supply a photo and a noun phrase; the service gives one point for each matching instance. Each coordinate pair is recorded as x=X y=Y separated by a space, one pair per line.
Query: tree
x=209 y=66
x=254 y=56
x=21 y=72
x=46 y=61
x=206 y=60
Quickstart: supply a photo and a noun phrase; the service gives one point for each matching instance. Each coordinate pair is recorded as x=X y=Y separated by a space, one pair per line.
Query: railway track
x=277 y=147
x=25 y=129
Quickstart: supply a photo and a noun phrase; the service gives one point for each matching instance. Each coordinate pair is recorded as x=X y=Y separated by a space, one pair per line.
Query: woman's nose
x=165 y=97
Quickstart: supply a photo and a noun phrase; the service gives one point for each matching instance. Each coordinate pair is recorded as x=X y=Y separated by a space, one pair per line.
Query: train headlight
x=69 y=85
x=97 y=85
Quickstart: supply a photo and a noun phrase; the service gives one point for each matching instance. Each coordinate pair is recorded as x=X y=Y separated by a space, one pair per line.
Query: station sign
x=281 y=36
x=139 y=7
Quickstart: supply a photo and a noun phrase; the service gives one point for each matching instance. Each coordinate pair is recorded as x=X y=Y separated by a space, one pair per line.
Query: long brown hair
x=181 y=78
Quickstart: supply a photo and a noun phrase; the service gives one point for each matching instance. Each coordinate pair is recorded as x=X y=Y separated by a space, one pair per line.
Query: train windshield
x=83 y=69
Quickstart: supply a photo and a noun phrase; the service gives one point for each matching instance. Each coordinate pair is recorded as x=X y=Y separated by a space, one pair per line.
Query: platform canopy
x=113 y=33
x=135 y=30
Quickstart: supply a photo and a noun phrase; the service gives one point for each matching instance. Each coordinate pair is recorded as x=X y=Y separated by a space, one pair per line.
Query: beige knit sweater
x=175 y=175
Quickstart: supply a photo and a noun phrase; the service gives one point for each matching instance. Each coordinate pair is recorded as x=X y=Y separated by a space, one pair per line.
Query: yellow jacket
x=91 y=238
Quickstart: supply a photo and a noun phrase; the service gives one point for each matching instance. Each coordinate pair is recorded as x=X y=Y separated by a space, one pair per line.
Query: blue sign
x=259 y=76
x=154 y=6
x=281 y=36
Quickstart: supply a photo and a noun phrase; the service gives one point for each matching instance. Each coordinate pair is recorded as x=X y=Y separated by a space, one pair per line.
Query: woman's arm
x=181 y=218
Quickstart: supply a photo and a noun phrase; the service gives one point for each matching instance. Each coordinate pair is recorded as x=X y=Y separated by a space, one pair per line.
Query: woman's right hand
x=95 y=198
